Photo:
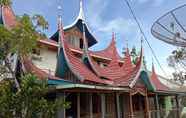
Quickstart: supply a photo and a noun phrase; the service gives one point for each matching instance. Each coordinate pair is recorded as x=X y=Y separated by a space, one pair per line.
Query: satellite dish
x=171 y=27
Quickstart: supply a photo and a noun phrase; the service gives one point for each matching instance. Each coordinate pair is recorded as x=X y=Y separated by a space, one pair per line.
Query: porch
x=118 y=105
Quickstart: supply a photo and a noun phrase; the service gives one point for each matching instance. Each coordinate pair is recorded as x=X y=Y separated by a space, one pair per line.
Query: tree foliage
x=26 y=98
x=5 y=2
x=40 y=21
x=134 y=55
x=177 y=60
x=30 y=102
x=19 y=40
x=5 y=40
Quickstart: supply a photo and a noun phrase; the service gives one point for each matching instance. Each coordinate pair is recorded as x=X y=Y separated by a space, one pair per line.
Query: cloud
x=125 y=28
x=119 y=25
x=99 y=24
x=153 y=2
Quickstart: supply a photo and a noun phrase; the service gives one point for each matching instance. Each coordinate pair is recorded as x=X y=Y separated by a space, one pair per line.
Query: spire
x=60 y=29
x=81 y=11
x=59 y=22
x=113 y=42
x=113 y=37
x=127 y=65
x=112 y=45
x=153 y=70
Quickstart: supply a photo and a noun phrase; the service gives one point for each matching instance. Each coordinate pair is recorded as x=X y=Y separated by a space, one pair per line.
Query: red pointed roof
x=127 y=65
x=156 y=82
x=8 y=16
x=130 y=78
x=108 y=52
x=113 y=70
x=30 y=67
x=76 y=65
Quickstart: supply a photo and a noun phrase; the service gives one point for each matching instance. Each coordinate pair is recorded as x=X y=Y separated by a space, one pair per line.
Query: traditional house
x=98 y=84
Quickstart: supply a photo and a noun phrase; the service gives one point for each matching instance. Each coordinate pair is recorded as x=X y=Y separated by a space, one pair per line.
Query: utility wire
x=143 y=34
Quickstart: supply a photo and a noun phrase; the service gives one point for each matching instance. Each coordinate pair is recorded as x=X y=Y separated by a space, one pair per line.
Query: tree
x=26 y=96
x=30 y=102
x=177 y=60
x=19 y=41
x=134 y=55
x=5 y=2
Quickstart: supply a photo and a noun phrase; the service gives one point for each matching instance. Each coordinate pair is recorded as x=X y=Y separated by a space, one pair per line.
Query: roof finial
x=59 y=16
x=127 y=44
x=113 y=37
x=59 y=20
x=81 y=11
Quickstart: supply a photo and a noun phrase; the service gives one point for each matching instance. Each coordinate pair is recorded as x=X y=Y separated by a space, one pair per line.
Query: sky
x=105 y=16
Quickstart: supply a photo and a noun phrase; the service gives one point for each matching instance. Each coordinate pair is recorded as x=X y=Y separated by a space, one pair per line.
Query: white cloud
x=153 y=2
x=119 y=25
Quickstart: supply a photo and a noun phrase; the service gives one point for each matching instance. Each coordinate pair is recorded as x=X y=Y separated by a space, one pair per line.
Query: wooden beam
x=118 y=105
x=78 y=105
x=131 y=106
x=157 y=106
x=103 y=105
x=91 y=106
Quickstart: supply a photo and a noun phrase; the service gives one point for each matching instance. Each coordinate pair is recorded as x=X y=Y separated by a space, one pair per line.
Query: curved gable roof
x=8 y=17
x=156 y=82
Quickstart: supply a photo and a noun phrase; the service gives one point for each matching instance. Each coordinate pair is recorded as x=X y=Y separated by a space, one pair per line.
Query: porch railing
x=140 y=114
x=154 y=114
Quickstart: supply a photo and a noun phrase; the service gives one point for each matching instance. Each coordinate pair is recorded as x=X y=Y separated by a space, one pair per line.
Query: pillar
x=157 y=106
x=131 y=106
x=148 y=115
x=178 y=106
x=61 y=112
x=91 y=106
x=103 y=105
x=118 y=105
x=78 y=105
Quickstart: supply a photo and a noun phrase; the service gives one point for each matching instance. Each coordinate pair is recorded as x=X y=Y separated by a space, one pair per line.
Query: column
x=118 y=105
x=78 y=105
x=103 y=105
x=148 y=115
x=91 y=106
x=131 y=106
x=178 y=106
x=61 y=112
x=157 y=106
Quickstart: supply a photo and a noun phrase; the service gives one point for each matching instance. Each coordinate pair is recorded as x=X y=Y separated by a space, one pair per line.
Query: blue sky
x=105 y=16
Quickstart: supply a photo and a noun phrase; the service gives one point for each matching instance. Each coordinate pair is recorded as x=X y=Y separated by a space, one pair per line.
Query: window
x=74 y=40
x=81 y=43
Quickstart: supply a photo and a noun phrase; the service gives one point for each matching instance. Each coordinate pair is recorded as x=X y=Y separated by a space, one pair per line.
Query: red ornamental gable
x=76 y=65
x=108 y=52
x=156 y=82
x=9 y=18
x=132 y=75
x=127 y=65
